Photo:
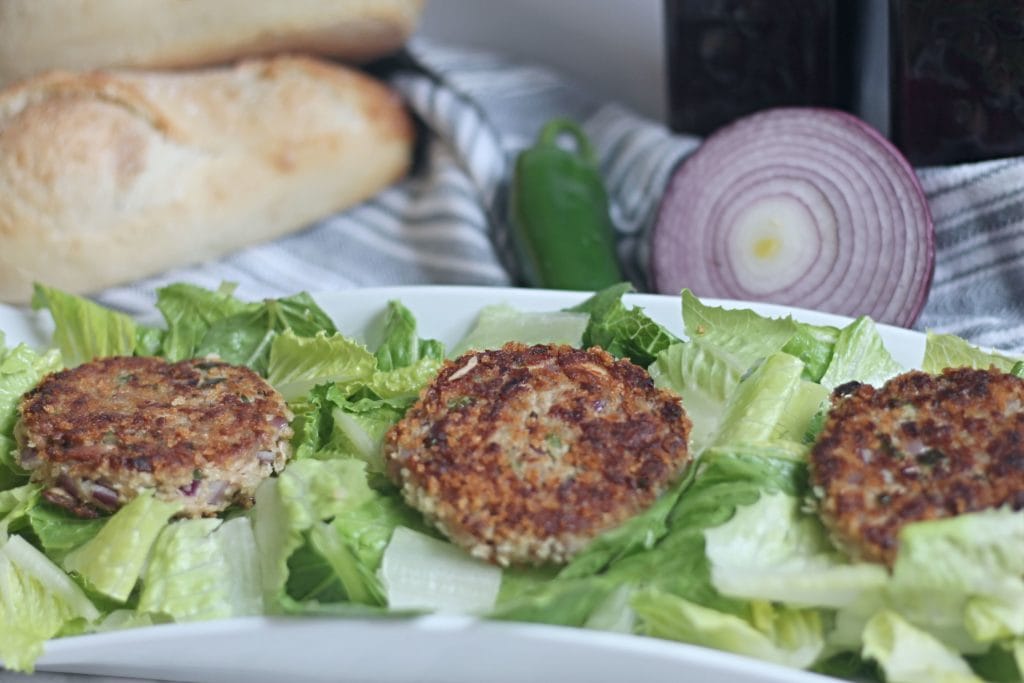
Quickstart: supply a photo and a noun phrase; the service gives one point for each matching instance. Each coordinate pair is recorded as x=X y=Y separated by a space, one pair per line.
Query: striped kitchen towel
x=443 y=224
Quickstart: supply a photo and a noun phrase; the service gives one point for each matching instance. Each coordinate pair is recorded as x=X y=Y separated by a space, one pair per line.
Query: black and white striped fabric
x=443 y=224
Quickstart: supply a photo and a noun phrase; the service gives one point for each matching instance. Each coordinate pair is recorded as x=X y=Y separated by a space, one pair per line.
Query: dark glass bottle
x=957 y=79
x=728 y=58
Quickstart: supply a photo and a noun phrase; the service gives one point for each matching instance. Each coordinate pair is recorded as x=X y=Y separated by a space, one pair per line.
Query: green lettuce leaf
x=349 y=550
x=84 y=330
x=498 y=324
x=59 y=531
x=111 y=562
x=401 y=347
x=419 y=572
x=15 y=505
x=297 y=364
x=962 y=578
x=860 y=355
x=246 y=337
x=359 y=429
x=773 y=405
x=203 y=569
x=771 y=550
x=943 y=351
x=37 y=602
x=21 y=368
x=190 y=311
x=774 y=634
x=288 y=506
x=909 y=655
x=625 y=332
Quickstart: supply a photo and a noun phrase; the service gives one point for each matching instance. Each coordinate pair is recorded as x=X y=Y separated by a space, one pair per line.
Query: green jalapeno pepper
x=558 y=214
x=1018 y=369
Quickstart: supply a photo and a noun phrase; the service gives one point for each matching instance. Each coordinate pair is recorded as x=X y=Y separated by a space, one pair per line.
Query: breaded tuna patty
x=921 y=447
x=199 y=432
x=523 y=454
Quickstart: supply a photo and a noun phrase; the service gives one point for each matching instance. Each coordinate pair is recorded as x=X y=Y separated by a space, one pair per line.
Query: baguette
x=107 y=177
x=40 y=35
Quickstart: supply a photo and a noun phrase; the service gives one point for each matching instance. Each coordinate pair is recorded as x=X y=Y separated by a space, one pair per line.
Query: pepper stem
x=557 y=128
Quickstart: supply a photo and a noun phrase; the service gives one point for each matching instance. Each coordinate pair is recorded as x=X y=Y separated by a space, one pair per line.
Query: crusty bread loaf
x=107 y=177
x=39 y=35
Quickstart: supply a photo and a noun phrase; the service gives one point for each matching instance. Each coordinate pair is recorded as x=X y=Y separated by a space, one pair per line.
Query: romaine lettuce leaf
x=359 y=429
x=624 y=332
x=498 y=324
x=85 y=330
x=349 y=550
x=111 y=562
x=306 y=493
x=773 y=405
x=37 y=602
x=774 y=634
x=909 y=655
x=771 y=550
x=860 y=355
x=190 y=311
x=943 y=351
x=245 y=338
x=401 y=347
x=21 y=368
x=203 y=569
x=15 y=505
x=59 y=531
x=425 y=573
x=962 y=578
x=297 y=364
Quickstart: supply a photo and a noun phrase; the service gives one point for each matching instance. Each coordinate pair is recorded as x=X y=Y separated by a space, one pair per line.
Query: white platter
x=442 y=649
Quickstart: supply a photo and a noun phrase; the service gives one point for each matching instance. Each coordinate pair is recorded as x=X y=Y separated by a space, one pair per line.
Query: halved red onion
x=798 y=206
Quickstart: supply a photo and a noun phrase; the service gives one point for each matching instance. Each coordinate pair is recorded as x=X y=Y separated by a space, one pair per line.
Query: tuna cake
x=921 y=447
x=202 y=433
x=524 y=454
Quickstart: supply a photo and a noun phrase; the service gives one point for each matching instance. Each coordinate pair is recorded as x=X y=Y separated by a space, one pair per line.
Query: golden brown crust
x=921 y=447
x=524 y=454
x=107 y=177
x=132 y=423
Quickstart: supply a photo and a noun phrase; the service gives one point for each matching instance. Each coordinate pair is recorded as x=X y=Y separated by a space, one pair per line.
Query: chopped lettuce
x=15 y=506
x=771 y=550
x=860 y=355
x=84 y=330
x=307 y=493
x=501 y=323
x=962 y=578
x=59 y=531
x=111 y=562
x=943 y=351
x=21 y=368
x=38 y=601
x=909 y=655
x=401 y=347
x=190 y=311
x=203 y=569
x=775 y=634
x=421 y=572
x=625 y=332
x=297 y=364
x=772 y=405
